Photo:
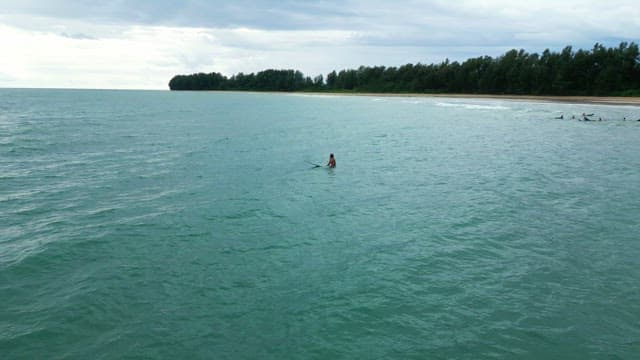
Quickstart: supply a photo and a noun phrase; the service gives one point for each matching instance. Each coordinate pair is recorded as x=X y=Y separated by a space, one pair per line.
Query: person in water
x=332 y=161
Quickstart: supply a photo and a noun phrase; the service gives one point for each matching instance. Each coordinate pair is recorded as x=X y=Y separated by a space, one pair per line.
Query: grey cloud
x=381 y=23
x=78 y=36
x=269 y=15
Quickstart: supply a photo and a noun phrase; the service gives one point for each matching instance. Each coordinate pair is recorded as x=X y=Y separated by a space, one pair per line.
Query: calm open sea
x=185 y=225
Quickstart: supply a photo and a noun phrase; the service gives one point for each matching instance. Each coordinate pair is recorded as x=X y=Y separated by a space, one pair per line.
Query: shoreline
x=591 y=100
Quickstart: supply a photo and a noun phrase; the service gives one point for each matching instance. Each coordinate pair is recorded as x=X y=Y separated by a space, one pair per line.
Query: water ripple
x=188 y=225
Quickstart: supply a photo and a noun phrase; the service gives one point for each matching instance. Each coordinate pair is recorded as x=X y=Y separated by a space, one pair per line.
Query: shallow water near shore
x=152 y=224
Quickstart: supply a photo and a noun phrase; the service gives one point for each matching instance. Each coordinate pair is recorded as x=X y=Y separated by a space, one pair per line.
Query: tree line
x=600 y=71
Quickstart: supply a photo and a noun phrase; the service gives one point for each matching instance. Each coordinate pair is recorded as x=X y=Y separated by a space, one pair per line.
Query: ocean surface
x=194 y=225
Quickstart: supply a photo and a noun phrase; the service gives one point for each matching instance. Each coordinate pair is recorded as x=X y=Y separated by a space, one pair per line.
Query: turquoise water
x=191 y=225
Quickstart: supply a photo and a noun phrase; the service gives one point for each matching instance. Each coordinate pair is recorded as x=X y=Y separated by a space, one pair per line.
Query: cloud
x=148 y=56
x=142 y=44
x=141 y=57
x=260 y=14
x=78 y=36
x=500 y=23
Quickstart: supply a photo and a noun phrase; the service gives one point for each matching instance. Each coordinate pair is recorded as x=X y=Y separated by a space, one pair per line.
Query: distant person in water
x=332 y=161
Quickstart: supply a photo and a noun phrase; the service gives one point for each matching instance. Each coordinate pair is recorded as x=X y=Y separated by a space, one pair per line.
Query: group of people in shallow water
x=586 y=117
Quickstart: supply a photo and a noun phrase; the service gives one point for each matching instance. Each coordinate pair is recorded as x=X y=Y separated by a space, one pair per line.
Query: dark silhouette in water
x=585 y=117
x=332 y=161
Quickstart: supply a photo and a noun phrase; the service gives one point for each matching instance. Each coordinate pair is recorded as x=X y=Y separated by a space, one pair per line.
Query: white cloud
x=139 y=57
x=146 y=57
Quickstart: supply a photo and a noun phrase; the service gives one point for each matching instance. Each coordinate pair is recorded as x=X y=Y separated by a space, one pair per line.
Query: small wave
x=472 y=106
x=327 y=95
x=23 y=150
x=21 y=241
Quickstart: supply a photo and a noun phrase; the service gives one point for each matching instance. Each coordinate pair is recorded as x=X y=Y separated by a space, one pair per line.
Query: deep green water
x=190 y=225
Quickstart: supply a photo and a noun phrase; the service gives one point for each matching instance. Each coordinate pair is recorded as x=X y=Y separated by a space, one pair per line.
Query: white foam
x=472 y=106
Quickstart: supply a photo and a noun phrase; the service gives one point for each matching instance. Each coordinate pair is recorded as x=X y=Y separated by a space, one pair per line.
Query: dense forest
x=599 y=71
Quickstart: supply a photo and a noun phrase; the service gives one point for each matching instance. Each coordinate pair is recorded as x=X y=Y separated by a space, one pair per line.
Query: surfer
x=332 y=161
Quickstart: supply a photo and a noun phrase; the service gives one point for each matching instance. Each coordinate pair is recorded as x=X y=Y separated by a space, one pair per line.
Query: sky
x=142 y=44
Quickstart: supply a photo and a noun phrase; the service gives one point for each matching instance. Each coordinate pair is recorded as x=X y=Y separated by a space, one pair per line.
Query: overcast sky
x=142 y=44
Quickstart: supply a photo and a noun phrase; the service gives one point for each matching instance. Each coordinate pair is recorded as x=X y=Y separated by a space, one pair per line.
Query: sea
x=206 y=225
